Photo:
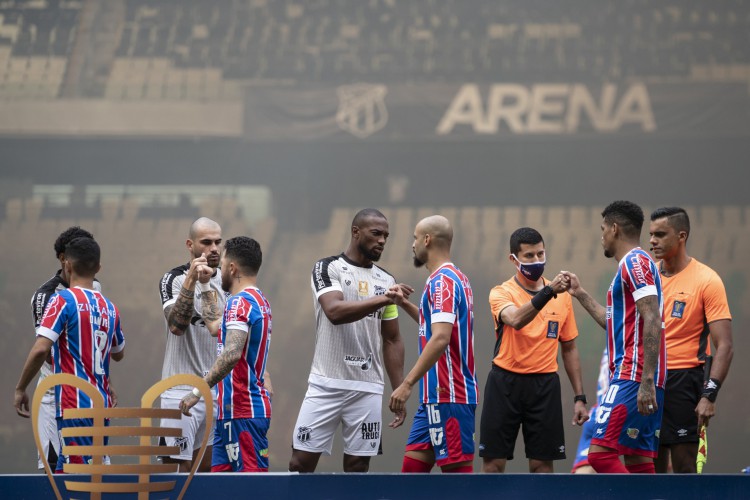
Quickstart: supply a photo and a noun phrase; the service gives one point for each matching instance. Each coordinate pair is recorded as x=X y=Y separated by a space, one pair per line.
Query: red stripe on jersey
x=86 y=347
x=259 y=364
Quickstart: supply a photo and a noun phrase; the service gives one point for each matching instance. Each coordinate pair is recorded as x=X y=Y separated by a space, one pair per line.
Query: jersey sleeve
x=500 y=298
x=238 y=314
x=445 y=299
x=640 y=272
x=169 y=287
x=118 y=339
x=325 y=277
x=38 y=304
x=715 y=302
x=55 y=318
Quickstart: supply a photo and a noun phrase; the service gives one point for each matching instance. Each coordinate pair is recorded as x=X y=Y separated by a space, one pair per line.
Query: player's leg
x=419 y=456
x=500 y=420
x=48 y=433
x=543 y=432
x=189 y=428
x=581 y=462
x=319 y=416
x=361 y=419
x=203 y=426
x=452 y=432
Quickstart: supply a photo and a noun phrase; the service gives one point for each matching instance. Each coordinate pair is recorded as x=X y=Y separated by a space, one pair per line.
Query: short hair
x=627 y=215
x=362 y=215
x=69 y=235
x=524 y=236
x=676 y=217
x=83 y=254
x=245 y=252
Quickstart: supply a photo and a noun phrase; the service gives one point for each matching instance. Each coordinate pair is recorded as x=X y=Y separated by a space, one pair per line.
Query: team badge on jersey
x=678 y=308
x=303 y=434
x=553 y=327
x=363 y=289
x=632 y=433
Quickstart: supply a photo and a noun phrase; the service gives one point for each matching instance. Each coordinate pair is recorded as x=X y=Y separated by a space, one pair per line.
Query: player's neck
x=673 y=265
x=436 y=261
x=81 y=282
x=624 y=248
x=531 y=286
x=242 y=283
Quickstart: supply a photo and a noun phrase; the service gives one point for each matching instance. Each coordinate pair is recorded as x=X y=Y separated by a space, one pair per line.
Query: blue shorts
x=445 y=428
x=587 y=432
x=240 y=445
x=619 y=426
x=76 y=441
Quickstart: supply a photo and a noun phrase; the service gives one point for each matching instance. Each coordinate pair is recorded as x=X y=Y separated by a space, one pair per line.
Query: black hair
x=69 y=235
x=245 y=252
x=83 y=254
x=627 y=215
x=364 y=214
x=524 y=236
x=676 y=217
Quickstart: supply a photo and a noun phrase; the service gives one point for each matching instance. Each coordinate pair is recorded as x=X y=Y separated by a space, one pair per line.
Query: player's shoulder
x=377 y=268
x=704 y=272
x=50 y=286
x=180 y=270
x=327 y=261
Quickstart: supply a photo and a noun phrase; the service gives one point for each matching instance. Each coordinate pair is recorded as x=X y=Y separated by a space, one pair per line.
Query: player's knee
x=356 y=464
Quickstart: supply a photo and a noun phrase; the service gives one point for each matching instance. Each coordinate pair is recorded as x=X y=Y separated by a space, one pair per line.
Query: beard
x=608 y=254
x=370 y=254
x=226 y=282
x=417 y=262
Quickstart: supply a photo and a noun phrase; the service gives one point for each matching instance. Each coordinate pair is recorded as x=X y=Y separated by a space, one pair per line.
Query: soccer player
x=356 y=319
x=244 y=416
x=696 y=309
x=191 y=347
x=442 y=432
x=47 y=423
x=523 y=388
x=85 y=328
x=629 y=418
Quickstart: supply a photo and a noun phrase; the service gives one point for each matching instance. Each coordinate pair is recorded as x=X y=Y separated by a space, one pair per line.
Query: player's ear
x=98 y=268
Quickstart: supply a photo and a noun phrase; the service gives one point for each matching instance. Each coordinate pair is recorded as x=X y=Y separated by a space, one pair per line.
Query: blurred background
x=281 y=118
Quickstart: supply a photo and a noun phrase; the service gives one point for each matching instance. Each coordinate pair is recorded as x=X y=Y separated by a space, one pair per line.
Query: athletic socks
x=414 y=465
x=607 y=462
x=464 y=469
x=642 y=468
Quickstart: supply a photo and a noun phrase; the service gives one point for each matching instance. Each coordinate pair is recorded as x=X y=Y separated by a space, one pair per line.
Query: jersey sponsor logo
x=379 y=290
x=363 y=289
x=443 y=296
x=638 y=272
x=303 y=434
x=360 y=361
x=682 y=432
x=320 y=282
x=370 y=431
x=52 y=308
x=553 y=327
x=678 y=308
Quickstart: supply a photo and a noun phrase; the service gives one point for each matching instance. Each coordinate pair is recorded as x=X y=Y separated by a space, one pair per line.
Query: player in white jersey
x=47 y=422
x=190 y=346
x=357 y=339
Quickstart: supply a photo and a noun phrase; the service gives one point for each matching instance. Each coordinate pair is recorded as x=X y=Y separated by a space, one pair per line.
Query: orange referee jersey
x=533 y=348
x=693 y=298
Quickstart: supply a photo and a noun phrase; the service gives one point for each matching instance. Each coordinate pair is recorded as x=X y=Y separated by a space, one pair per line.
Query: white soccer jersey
x=195 y=351
x=349 y=356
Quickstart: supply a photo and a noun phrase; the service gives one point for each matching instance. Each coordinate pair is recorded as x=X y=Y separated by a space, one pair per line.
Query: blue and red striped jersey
x=241 y=393
x=447 y=298
x=85 y=326
x=636 y=277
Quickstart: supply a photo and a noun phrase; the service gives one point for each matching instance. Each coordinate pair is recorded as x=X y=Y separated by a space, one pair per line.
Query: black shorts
x=513 y=400
x=681 y=396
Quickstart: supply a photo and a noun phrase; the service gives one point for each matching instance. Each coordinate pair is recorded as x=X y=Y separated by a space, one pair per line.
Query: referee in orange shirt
x=695 y=308
x=523 y=388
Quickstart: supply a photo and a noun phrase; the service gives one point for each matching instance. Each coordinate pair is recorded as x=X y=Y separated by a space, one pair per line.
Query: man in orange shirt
x=523 y=387
x=695 y=306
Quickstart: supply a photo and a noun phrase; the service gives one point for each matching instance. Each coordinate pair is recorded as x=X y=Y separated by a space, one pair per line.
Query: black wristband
x=542 y=297
x=580 y=397
x=711 y=389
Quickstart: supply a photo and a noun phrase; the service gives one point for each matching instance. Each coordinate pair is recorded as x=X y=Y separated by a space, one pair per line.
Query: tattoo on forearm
x=593 y=308
x=648 y=307
x=182 y=311
x=210 y=306
x=229 y=356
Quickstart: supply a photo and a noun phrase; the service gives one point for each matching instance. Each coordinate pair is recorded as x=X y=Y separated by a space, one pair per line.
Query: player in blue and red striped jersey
x=629 y=417
x=442 y=432
x=244 y=413
x=85 y=326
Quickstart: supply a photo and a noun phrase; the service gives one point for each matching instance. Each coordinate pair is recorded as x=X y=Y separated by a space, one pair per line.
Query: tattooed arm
x=595 y=309
x=180 y=313
x=232 y=353
x=211 y=311
x=648 y=308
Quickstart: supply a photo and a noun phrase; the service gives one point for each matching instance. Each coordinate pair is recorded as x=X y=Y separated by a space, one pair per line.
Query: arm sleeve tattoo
x=181 y=312
x=232 y=352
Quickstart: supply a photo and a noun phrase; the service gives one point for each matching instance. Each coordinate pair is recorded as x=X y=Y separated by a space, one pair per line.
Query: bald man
x=442 y=432
x=191 y=297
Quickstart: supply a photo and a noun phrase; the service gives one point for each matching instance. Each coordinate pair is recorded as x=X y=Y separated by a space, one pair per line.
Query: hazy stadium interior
x=132 y=118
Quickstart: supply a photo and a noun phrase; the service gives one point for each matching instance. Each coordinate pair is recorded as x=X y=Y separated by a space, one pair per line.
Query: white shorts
x=193 y=427
x=48 y=431
x=323 y=409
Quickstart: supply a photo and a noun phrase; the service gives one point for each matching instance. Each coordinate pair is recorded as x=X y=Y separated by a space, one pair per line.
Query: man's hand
x=188 y=402
x=406 y=290
x=580 y=413
x=113 y=395
x=574 y=286
x=704 y=411
x=560 y=283
x=647 y=398
x=398 y=419
x=22 y=403
x=198 y=269
x=396 y=294
x=399 y=398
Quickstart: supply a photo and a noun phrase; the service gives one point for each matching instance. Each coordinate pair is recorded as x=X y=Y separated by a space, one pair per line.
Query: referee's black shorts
x=529 y=401
x=681 y=396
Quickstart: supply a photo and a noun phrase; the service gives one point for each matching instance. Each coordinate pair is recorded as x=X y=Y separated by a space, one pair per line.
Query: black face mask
x=531 y=271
